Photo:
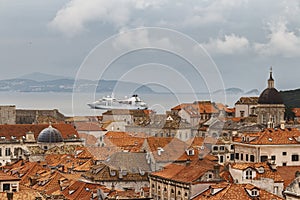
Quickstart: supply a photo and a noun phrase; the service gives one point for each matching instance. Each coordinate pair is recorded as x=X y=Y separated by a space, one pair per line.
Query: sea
x=75 y=104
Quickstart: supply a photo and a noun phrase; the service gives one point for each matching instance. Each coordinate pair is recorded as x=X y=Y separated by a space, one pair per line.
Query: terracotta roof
x=24 y=193
x=187 y=174
x=19 y=130
x=128 y=161
x=272 y=137
x=267 y=173
x=124 y=141
x=103 y=153
x=6 y=177
x=235 y=192
x=287 y=173
x=198 y=107
x=104 y=172
x=248 y=100
x=171 y=149
x=90 y=140
x=296 y=111
x=221 y=106
x=88 y=126
x=82 y=190
x=127 y=194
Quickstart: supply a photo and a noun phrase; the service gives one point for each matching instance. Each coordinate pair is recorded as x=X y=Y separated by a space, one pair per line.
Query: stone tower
x=270 y=109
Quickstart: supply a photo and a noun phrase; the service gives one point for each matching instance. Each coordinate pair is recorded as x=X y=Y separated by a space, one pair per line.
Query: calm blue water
x=76 y=104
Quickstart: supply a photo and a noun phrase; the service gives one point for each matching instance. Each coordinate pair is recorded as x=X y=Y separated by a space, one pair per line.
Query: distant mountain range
x=291 y=98
x=40 y=82
x=237 y=91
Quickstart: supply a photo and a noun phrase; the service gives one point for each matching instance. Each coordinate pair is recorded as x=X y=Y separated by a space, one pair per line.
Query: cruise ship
x=109 y=103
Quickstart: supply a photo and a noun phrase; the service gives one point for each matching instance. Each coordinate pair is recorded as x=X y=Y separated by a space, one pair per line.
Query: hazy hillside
x=291 y=98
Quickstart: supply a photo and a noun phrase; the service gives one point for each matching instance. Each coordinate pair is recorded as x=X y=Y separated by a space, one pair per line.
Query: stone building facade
x=270 y=109
x=8 y=114
x=38 y=116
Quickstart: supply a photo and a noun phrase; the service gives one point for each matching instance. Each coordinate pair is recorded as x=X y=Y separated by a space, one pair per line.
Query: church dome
x=270 y=96
x=50 y=135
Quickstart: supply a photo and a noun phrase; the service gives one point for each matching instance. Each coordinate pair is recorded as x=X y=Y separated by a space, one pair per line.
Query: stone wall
x=38 y=116
x=8 y=114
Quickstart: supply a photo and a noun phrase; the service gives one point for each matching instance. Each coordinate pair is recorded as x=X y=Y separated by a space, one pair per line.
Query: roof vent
x=160 y=150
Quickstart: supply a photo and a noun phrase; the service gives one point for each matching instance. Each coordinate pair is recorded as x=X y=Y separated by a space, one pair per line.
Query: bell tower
x=271 y=80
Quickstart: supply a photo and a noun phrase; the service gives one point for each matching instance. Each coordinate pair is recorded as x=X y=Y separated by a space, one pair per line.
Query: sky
x=238 y=41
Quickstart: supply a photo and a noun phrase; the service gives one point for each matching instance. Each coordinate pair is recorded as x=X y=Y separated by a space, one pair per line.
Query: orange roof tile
x=6 y=177
x=186 y=174
x=273 y=137
x=268 y=171
x=90 y=140
x=19 y=130
x=198 y=107
x=235 y=192
x=287 y=173
x=248 y=100
x=296 y=111
x=88 y=126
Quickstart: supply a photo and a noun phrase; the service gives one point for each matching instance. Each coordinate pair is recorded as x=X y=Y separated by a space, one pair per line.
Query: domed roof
x=270 y=96
x=50 y=135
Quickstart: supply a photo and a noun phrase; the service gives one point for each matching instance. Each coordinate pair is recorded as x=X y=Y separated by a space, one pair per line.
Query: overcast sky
x=242 y=38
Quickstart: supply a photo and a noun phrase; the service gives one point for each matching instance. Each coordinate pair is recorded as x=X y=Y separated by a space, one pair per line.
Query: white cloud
x=281 y=41
x=141 y=38
x=230 y=44
x=208 y=12
x=77 y=13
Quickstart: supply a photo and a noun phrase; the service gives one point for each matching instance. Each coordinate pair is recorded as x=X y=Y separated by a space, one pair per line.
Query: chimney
x=272 y=164
x=201 y=156
x=217 y=171
x=282 y=125
x=188 y=162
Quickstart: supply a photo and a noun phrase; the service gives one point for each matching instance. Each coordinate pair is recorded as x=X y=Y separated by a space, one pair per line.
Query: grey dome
x=270 y=96
x=50 y=135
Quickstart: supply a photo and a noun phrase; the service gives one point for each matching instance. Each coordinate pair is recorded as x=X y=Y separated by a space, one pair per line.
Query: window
x=222 y=148
x=237 y=156
x=254 y=193
x=251 y=158
x=284 y=164
x=295 y=157
x=209 y=176
x=252 y=110
x=221 y=159
x=275 y=189
x=0 y=151
x=7 y=152
x=273 y=157
x=215 y=148
x=242 y=113
x=231 y=156
x=232 y=147
x=247 y=157
x=248 y=174
x=242 y=156
x=6 y=187
x=263 y=158
x=284 y=153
